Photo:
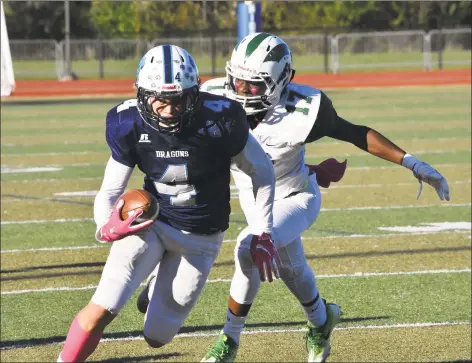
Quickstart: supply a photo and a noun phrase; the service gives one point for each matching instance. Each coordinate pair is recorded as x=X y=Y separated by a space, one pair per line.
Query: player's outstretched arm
x=328 y=123
x=380 y=146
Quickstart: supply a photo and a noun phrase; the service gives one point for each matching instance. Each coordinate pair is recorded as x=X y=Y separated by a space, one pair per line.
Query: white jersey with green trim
x=282 y=134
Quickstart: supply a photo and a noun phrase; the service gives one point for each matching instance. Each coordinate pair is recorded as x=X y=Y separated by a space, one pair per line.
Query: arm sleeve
x=114 y=183
x=253 y=161
x=238 y=130
x=328 y=123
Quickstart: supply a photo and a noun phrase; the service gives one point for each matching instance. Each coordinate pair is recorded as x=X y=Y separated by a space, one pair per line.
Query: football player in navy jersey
x=185 y=142
x=284 y=117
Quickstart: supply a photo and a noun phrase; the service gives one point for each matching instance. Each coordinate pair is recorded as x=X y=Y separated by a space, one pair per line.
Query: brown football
x=140 y=199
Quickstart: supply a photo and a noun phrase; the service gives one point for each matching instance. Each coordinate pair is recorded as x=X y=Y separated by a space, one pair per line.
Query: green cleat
x=224 y=350
x=317 y=339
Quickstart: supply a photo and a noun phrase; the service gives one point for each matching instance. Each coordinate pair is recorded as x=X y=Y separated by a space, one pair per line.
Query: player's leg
x=130 y=261
x=296 y=214
x=292 y=216
x=182 y=274
x=322 y=317
x=244 y=287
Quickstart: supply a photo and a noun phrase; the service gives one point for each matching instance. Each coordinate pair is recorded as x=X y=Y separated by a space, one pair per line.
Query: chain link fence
x=118 y=58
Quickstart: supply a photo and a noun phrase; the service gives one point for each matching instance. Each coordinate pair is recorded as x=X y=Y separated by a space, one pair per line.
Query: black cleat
x=143 y=299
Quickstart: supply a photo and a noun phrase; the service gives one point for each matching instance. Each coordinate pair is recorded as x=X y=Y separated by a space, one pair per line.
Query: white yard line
x=264 y=331
x=337 y=276
x=318 y=238
x=417 y=152
x=320 y=144
x=409 y=206
x=361 y=168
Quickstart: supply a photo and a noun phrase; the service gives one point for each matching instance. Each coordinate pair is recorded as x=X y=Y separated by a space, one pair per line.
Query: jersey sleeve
x=237 y=128
x=118 y=138
x=325 y=120
x=328 y=123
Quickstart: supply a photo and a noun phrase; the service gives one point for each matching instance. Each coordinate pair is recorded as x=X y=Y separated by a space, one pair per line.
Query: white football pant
x=292 y=216
x=184 y=259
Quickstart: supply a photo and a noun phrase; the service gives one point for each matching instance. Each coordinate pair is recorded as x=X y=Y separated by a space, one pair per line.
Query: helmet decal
x=168 y=66
x=277 y=53
x=255 y=42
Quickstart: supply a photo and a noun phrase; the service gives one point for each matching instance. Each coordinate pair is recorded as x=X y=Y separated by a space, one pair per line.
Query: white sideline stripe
x=338 y=276
x=40 y=221
x=30 y=169
x=265 y=331
x=395 y=207
x=104 y=245
x=62 y=220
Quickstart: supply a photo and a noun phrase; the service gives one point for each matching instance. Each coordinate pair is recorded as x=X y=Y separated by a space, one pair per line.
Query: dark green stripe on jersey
x=277 y=53
x=255 y=42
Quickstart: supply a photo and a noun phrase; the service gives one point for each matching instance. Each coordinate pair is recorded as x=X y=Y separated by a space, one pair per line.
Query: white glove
x=426 y=173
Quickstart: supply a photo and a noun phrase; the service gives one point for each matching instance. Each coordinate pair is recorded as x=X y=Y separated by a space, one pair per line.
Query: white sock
x=234 y=326
x=59 y=359
x=316 y=313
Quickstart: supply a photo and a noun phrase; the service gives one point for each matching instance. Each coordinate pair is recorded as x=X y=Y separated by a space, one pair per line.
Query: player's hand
x=426 y=173
x=266 y=257
x=116 y=228
x=329 y=170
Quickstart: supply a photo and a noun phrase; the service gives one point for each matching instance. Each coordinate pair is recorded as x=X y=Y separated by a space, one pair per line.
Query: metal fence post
x=335 y=54
x=101 y=72
x=213 y=56
x=440 y=48
x=427 y=56
x=326 y=58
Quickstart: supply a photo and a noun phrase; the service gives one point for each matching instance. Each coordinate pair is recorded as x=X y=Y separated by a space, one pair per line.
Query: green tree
x=46 y=20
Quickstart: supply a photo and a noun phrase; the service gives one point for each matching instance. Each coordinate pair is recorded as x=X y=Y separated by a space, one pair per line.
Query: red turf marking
x=52 y=88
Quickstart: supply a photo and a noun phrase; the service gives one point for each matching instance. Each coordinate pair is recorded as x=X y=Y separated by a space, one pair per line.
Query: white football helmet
x=260 y=58
x=167 y=72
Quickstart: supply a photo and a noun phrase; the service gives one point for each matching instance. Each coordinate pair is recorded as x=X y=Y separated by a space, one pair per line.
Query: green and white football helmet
x=265 y=62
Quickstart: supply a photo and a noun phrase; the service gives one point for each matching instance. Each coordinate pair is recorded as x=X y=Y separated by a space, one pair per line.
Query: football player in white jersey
x=285 y=116
x=191 y=140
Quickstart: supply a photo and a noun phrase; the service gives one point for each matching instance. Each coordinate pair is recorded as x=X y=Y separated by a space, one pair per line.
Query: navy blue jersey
x=188 y=172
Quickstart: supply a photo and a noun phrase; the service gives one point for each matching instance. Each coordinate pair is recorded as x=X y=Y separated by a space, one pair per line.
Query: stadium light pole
x=67 y=37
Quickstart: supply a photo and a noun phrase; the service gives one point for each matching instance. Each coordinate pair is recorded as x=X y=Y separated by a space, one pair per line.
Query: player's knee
x=242 y=252
x=153 y=343
x=95 y=317
x=160 y=329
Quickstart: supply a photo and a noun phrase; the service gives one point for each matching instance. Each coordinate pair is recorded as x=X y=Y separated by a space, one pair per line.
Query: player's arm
x=248 y=155
x=329 y=123
x=253 y=161
x=107 y=206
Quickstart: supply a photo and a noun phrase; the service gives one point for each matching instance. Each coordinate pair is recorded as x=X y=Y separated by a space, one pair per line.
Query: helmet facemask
x=168 y=88
x=184 y=104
